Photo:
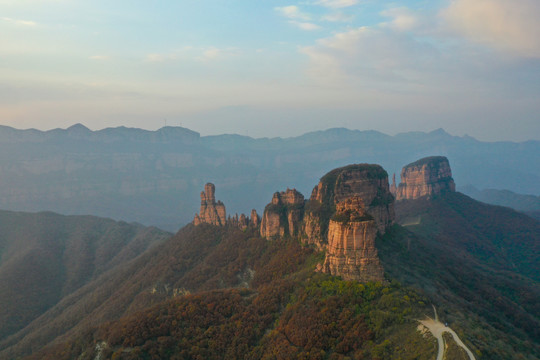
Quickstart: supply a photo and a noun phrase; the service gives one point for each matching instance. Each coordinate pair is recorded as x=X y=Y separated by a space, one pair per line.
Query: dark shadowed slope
x=45 y=257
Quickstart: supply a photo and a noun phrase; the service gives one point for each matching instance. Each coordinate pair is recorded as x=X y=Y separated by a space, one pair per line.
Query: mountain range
x=153 y=177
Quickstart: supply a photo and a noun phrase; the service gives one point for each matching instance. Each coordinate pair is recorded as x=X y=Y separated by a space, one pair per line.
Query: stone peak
x=211 y=212
x=426 y=177
x=208 y=196
x=288 y=197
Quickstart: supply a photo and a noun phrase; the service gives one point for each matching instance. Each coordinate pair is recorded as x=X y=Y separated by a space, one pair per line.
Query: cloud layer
x=511 y=26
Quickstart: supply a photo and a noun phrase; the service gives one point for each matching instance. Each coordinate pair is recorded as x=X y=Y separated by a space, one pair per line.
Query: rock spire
x=211 y=212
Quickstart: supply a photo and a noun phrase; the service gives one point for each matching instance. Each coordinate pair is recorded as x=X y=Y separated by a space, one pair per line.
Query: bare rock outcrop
x=366 y=181
x=393 y=187
x=284 y=215
x=255 y=219
x=347 y=210
x=211 y=212
x=241 y=222
x=351 y=251
x=426 y=177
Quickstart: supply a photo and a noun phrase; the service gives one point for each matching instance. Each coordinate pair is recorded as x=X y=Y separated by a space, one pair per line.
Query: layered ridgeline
x=264 y=289
x=111 y=172
x=528 y=204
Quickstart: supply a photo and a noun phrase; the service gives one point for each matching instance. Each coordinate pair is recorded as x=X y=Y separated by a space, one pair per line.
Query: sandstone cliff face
x=365 y=181
x=211 y=212
x=284 y=215
x=426 y=177
x=312 y=232
x=351 y=251
x=346 y=211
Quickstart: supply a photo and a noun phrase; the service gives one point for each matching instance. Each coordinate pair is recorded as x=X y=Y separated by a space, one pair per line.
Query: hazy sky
x=273 y=68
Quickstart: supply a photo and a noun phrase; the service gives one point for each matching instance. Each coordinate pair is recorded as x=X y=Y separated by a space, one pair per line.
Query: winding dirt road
x=438 y=329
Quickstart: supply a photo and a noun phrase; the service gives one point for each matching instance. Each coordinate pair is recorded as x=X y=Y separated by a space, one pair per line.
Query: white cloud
x=153 y=58
x=19 y=22
x=510 y=26
x=335 y=4
x=191 y=53
x=366 y=54
x=403 y=19
x=305 y=25
x=214 y=53
x=100 y=57
x=338 y=17
x=292 y=12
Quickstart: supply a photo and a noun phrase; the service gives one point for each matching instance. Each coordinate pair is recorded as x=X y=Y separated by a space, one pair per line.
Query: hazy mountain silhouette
x=153 y=177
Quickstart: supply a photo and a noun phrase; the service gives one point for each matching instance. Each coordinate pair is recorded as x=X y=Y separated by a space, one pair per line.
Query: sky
x=273 y=68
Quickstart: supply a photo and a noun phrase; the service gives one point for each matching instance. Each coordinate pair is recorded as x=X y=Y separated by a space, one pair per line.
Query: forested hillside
x=45 y=257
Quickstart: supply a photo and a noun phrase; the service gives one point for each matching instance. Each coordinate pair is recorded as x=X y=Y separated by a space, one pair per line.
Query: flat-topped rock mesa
x=284 y=215
x=426 y=177
x=351 y=251
x=211 y=212
x=367 y=182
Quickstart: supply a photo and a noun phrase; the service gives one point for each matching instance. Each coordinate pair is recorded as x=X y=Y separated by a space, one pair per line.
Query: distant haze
x=155 y=177
x=274 y=68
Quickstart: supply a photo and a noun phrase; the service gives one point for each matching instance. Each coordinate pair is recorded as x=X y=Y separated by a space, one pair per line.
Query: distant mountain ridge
x=111 y=172
x=520 y=202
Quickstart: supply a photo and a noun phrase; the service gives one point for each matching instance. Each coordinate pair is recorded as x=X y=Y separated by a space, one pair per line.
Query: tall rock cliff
x=346 y=211
x=365 y=181
x=351 y=251
x=211 y=212
x=283 y=216
x=426 y=177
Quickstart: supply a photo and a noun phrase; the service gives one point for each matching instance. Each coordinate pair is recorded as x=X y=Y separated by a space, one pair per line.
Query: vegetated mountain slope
x=534 y=214
x=45 y=257
x=497 y=236
x=478 y=263
x=291 y=312
x=288 y=310
x=524 y=203
x=112 y=172
x=201 y=258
